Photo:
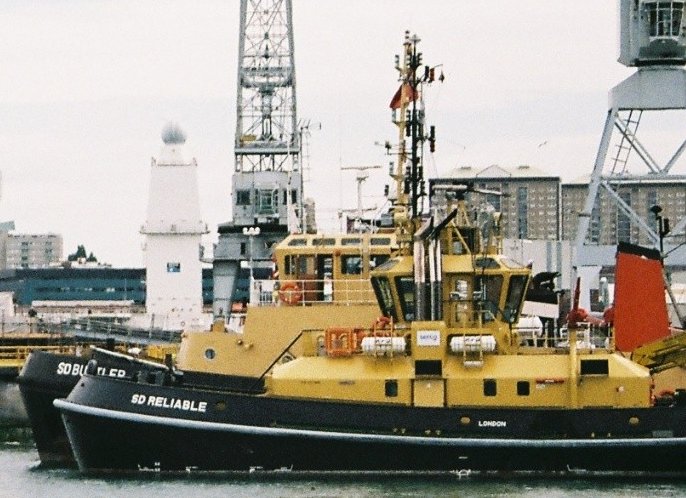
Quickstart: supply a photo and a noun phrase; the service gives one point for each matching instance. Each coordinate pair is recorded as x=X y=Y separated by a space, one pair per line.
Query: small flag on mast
x=404 y=95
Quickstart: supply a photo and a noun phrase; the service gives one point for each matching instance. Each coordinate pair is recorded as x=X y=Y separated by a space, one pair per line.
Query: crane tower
x=267 y=201
x=653 y=40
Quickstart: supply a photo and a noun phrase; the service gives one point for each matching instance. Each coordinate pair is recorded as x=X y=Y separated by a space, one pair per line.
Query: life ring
x=290 y=293
x=381 y=323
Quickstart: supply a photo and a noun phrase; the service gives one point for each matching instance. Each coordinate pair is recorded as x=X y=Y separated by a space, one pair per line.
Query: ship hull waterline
x=244 y=432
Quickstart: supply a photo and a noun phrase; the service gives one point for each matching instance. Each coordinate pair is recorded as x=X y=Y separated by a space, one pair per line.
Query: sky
x=86 y=87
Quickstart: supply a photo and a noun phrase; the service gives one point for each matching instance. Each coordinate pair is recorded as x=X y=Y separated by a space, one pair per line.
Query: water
x=21 y=476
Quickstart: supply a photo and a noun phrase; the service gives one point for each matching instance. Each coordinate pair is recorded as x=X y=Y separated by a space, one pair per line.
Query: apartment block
x=30 y=250
x=529 y=199
x=609 y=224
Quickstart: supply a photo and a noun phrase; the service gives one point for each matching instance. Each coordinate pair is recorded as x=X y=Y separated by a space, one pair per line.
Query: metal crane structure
x=653 y=40
x=267 y=200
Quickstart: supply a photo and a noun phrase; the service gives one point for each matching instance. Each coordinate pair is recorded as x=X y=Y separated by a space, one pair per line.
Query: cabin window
x=487 y=294
x=523 y=388
x=210 y=354
x=384 y=296
x=391 y=388
x=289 y=264
x=428 y=367
x=490 y=388
x=297 y=242
x=173 y=267
x=298 y=265
x=486 y=263
x=323 y=242
x=356 y=241
x=242 y=197
x=405 y=287
x=267 y=201
x=664 y=18
x=380 y=241
x=594 y=367
x=351 y=265
x=515 y=294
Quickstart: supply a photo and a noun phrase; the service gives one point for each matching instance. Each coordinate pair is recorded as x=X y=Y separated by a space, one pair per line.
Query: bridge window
x=377 y=260
x=405 y=287
x=351 y=265
x=487 y=293
x=382 y=289
x=515 y=294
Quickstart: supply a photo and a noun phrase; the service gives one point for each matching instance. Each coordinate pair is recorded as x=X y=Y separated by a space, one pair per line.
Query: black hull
x=243 y=432
x=49 y=376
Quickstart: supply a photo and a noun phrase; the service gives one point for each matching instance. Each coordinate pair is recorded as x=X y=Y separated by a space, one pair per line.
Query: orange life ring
x=381 y=323
x=290 y=293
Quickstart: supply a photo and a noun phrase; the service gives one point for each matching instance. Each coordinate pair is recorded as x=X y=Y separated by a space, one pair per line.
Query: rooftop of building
x=494 y=171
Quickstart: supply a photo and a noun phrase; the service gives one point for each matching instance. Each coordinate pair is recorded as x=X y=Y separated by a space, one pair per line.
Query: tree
x=80 y=254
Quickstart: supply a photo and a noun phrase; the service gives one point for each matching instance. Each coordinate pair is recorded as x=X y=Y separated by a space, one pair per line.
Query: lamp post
x=662 y=227
x=251 y=233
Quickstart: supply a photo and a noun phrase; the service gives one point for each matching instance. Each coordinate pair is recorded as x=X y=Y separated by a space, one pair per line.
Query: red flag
x=404 y=95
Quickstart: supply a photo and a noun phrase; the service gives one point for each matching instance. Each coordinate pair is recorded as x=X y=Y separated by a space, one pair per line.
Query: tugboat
x=324 y=279
x=440 y=382
x=48 y=375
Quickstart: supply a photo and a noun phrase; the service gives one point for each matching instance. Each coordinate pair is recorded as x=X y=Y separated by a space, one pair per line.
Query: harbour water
x=22 y=476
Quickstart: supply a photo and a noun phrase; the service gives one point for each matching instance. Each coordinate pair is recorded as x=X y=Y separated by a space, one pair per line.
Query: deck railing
x=304 y=292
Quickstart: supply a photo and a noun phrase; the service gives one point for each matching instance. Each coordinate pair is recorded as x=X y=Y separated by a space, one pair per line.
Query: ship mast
x=408 y=114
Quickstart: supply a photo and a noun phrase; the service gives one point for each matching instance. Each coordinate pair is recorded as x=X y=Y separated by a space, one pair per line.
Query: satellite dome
x=173 y=134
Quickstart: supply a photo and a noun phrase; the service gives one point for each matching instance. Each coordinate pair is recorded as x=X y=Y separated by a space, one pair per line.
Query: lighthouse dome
x=173 y=134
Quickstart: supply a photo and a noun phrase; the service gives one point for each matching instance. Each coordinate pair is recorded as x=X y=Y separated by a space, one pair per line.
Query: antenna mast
x=408 y=114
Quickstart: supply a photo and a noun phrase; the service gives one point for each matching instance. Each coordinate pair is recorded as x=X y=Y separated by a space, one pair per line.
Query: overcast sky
x=86 y=87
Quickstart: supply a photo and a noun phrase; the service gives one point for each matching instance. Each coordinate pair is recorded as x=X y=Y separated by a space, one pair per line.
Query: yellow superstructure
x=322 y=280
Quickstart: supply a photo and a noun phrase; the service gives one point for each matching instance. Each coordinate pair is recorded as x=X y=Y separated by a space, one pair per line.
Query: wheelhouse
x=469 y=284
x=332 y=268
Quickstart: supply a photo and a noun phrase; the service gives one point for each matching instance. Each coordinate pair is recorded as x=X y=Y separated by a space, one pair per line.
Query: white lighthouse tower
x=173 y=231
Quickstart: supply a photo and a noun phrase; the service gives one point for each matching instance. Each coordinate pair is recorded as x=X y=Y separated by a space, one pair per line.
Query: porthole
x=210 y=354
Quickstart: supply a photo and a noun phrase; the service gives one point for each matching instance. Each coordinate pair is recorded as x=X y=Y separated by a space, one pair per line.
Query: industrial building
x=84 y=284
